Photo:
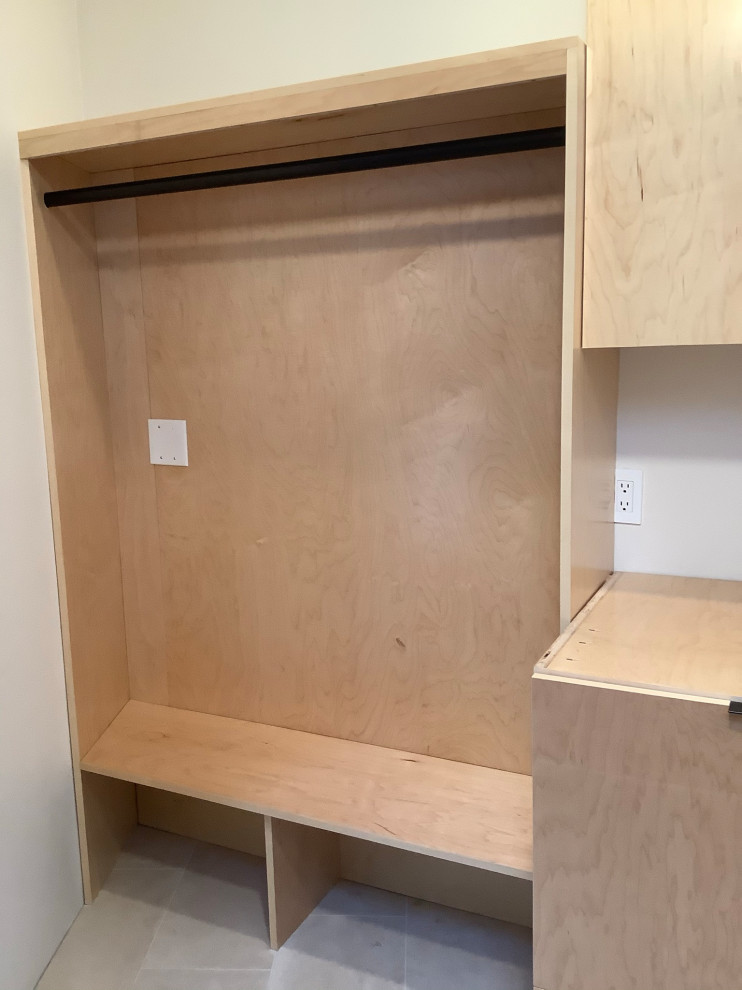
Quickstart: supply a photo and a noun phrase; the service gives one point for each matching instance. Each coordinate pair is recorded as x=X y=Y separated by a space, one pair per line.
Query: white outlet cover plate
x=632 y=518
x=168 y=442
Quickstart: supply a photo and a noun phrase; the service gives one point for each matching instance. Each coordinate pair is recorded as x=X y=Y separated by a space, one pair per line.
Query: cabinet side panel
x=589 y=391
x=73 y=374
x=593 y=467
x=110 y=816
x=663 y=263
x=303 y=864
x=637 y=818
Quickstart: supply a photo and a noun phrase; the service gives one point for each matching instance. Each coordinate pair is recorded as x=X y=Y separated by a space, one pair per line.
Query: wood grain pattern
x=680 y=634
x=664 y=191
x=465 y=888
x=303 y=865
x=419 y=134
x=379 y=123
x=464 y=813
x=637 y=818
x=366 y=541
x=126 y=361
x=79 y=450
x=592 y=436
x=589 y=391
x=107 y=817
x=529 y=77
x=567 y=633
x=202 y=820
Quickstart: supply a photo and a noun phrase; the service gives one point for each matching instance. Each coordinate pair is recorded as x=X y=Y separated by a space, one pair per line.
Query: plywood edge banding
x=584 y=612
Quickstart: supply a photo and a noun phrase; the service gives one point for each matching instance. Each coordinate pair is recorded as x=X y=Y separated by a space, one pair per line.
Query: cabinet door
x=637 y=829
x=663 y=211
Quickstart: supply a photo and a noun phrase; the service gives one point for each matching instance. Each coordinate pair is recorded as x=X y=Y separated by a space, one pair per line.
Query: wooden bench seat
x=454 y=811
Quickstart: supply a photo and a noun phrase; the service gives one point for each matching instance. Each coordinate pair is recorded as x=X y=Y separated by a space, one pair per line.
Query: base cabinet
x=637 y=828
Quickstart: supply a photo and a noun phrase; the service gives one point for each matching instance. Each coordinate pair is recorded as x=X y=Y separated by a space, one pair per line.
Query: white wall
x=147 y=53
x=679 y=415
x=681 y=423
x=40 y=887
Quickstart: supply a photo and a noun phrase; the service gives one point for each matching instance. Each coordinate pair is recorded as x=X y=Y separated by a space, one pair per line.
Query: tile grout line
x=406 y=935
x=206 y=969
x=165 y=909
x=158 y=926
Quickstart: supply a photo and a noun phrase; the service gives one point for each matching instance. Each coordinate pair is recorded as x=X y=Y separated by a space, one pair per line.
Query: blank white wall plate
x=168 y=442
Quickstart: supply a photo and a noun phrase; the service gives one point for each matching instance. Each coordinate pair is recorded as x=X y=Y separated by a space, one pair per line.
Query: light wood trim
x=109 y=815
x=464 y=813
x=69 y=336
x=589 y=391
x=581 y=616
x=574 y=175
x=64 y=286
x=29 y=198
x=593 y=470
x=637 y=824
x=504 y=67
x=487 y=111
x=202 y=820
x=303 y=865
x=663 y=633
x=644 y=689
x=664 y=207
x=419 y=134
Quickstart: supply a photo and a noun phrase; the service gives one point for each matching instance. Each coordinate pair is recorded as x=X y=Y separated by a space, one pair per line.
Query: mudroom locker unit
x=400 y=463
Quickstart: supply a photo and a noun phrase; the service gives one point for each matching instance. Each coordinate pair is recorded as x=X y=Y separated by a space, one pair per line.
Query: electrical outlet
x=629 y=491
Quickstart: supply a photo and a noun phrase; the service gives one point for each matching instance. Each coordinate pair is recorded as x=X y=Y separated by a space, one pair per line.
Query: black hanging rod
x=418 y=154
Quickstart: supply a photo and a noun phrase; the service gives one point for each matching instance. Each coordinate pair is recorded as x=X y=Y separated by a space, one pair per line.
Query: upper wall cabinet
x=663 y=244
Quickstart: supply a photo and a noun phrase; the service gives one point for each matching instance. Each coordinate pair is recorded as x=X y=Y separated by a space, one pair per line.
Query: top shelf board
x=672 y=634
x=507 y=83
x=454 y=811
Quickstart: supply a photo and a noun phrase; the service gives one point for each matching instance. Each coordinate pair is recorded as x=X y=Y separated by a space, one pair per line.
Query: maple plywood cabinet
x=663 y=211
x=638 y=791
x=399 y=479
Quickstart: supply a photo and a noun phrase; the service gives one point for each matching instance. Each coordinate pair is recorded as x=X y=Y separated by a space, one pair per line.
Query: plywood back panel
x=79 y=447
x=366 y=541
x=126 y=359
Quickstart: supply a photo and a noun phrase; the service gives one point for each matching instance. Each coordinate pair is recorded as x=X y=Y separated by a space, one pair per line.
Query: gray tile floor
x=182 y=915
